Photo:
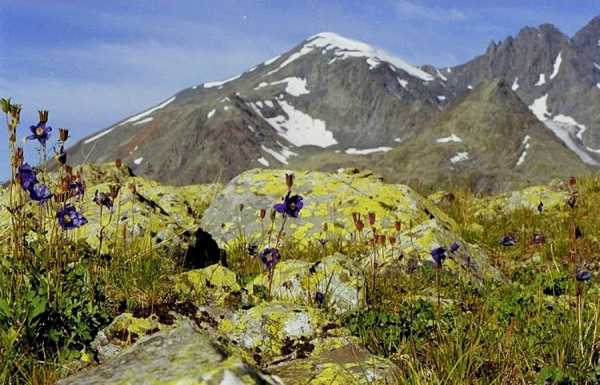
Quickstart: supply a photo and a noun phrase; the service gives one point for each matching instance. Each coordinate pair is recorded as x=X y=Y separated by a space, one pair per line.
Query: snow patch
x=298 y=127
x=138 y=161
x=470 y=87
x=282 y=156
x=460 y=157
x=403 y=82
x=143 y=121
x=366 y=151
x=448 y=139
x=147 y=112
x=570 y=121
x=211 y=113
x=539 y=107
x=564 y=132
x=441 y=98
x=294 y=86
x=541 y=81
x=398 y=140
x=439 y=74
x=263 y=161
x=597 y=66
x=251 y=128
x=131 y=120
x=525 y=145
x=344 y=48
x=556 y=65
x=515 y=85
x=220 y=83
x=269 y=104
x=271 y=61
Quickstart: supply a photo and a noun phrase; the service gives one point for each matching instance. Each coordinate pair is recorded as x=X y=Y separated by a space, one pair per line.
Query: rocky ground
x=331 y=310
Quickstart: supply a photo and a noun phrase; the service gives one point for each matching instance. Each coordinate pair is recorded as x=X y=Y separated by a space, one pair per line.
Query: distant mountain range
x=527 y=110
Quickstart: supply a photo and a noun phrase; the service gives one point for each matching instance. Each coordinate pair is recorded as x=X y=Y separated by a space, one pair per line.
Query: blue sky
x=92 y=62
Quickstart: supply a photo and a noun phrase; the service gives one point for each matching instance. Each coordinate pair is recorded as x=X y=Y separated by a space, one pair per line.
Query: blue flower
x=454 y=247
x=270 y=257
x=508 y=240
x=291 y=205
x=438 y=254
x=103 y=199
x=69 y=218
x=40 y=132
x=40 y=193
x=26 y=176
x=583 y=276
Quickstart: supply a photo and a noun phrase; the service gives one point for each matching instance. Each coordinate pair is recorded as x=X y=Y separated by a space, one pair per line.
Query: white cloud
x=413 y=9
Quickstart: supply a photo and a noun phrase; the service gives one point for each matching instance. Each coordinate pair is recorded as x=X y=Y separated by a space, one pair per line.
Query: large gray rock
x=183 y=355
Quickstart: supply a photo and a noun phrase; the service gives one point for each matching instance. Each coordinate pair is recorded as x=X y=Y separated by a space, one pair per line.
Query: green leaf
x=5 y=103
x=37 y=307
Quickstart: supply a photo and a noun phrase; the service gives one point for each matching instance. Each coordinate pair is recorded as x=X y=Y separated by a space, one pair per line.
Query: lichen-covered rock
x=162 y=214
x=329 y=199
x=124 y=330
x=275 y=329
x=553 y=199
x=335 y=283
x=347 y=363
x=416 y=243
x=182 y=355
x=214 y=285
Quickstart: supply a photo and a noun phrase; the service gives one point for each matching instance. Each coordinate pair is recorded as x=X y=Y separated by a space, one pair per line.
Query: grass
x=537 y=325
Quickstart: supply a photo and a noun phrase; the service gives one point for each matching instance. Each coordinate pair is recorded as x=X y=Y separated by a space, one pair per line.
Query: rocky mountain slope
x=327 y=93
x=332 y=102
x=488 y=140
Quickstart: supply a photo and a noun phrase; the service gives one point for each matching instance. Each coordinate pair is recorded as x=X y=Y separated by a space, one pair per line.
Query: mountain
x=488 y=140
x=327 y=93
x=333 y=102
x=557 y=76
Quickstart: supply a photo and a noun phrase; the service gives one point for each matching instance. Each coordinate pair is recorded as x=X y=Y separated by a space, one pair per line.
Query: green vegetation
x=534 y=322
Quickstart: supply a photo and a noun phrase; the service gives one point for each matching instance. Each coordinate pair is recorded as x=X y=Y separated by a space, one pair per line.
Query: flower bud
x=372 y=218
x=114 y=190
x=43 y=114
x=398 y=225
x=63 y=134
x=262 y=214
x=118 y=163
x=18 y=157
x=289 y=180
x=132 y=188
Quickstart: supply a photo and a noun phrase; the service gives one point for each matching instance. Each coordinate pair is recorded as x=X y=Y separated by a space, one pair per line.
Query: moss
x=211 y=285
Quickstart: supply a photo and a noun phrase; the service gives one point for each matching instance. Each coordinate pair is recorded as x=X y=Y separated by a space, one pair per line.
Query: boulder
x=181 y=355
x=213 y=285
x=334 y=283
x=329 y=203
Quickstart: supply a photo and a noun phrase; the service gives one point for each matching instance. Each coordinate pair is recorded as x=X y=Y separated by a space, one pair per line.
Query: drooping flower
x=270 y=257
x=438 y=254
x=69 y=218
x=77 y=188
x=103 y=199
x=583 y=276
x=39 y=192
x=508 y=240
x=454 y=247
x=538 y=239
x=320 y=298
x=40 y=132
x=26 y=176
x=540 y=207
x=291 y=206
